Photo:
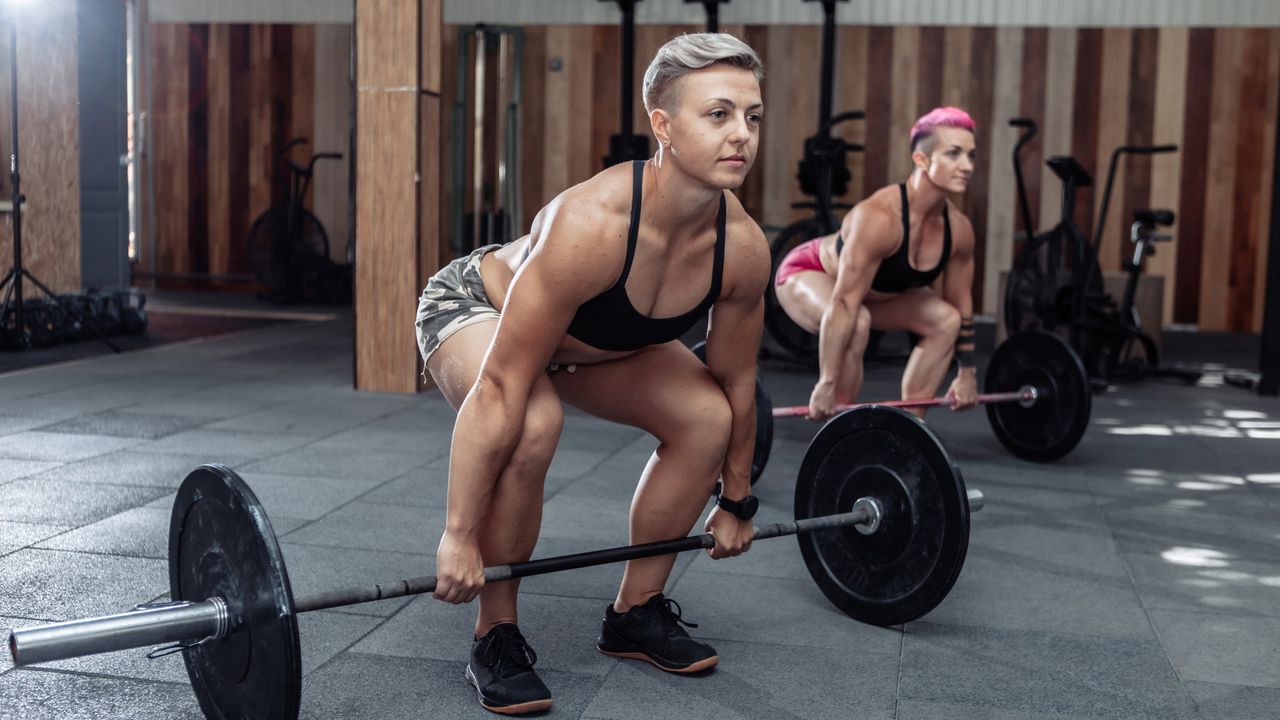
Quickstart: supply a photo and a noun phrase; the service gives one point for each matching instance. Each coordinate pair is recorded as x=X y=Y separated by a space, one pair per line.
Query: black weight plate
x=905 y=569
x=221 y=544
x=764 y=420
x=1053 y=426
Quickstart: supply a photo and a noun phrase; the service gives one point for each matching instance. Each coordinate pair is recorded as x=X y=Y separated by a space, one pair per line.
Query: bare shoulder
x=583 y=230
x=747 y=261
x=961 y=228
x=875 y=224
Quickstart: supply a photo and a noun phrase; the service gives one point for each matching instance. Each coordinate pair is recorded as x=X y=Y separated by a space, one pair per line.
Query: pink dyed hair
x=937 y=118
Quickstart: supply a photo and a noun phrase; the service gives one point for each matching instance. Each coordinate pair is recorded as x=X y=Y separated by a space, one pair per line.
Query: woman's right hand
x=822 y=402
x=459 y=569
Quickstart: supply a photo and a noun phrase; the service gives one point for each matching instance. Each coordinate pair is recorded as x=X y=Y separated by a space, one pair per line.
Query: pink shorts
x=804 y=256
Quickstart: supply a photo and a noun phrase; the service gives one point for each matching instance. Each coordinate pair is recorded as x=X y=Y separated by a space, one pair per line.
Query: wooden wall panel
x=1001 y=197
x=197 y=169
x=49 y=123
x=1091 y=89
x=904 y=96
x=173 y=148
x=1195 y=166
x=330 y=196
x=1031 y=104
x=218 y=157
x=1113 y=130
x=1170 y=98
x=1267 y=150
x=1215 y=267
x=1250 y=166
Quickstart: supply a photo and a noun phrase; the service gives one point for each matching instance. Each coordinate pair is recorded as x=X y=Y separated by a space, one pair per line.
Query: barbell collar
x=143 y=626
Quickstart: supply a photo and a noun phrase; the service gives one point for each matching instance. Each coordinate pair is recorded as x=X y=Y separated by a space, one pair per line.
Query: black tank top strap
x=633 y=232
x=906 y=221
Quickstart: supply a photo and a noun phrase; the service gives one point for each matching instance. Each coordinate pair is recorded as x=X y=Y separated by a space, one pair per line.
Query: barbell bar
x=881 y=515
x=1027 y=396
x=159 y=623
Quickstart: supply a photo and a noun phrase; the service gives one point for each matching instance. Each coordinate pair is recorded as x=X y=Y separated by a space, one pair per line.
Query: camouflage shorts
x=453 y=299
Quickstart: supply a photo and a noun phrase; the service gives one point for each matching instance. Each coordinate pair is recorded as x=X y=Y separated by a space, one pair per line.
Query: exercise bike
x=1056 y=283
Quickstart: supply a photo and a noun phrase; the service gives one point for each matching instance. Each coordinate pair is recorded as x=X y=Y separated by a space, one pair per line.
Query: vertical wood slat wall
x=49 y=145
x=398 y=45
x=1209 y=90
x=224 y=101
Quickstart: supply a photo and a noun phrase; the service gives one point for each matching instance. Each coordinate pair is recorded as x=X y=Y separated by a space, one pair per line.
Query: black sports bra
x=895 y=273
x=609 y=321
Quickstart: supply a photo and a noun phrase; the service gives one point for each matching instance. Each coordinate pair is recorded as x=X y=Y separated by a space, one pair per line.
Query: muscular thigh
x=915 y=310
x=657 y=389
x=455 y=365
x=805 y=296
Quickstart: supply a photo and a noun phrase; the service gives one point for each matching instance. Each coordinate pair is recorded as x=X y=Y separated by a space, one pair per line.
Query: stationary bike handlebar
x=1023 y=205
x=300 y=170
x=1111 y=176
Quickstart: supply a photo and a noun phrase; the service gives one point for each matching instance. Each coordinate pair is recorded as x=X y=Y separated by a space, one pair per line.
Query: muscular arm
x=558 y=276
x=870 y=235
x=957 y=289
x=732 y=340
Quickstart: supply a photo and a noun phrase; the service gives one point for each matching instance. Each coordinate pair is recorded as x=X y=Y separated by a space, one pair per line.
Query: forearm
x=484 y=437
x=833 y=338
x=736 y=472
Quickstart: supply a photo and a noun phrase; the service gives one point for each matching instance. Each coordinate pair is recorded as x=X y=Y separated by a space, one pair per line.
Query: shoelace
x=508 y=648
x=670 y=612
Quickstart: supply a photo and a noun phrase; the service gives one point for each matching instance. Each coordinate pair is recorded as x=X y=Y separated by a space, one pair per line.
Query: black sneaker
x=652 y=632
x=501 y=669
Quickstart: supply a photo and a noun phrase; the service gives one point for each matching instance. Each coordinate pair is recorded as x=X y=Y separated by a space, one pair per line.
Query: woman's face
x=951 y=163
x=714 y=128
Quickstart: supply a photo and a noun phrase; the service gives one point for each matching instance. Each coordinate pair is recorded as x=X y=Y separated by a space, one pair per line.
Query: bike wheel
x=280 y=262
x=1038 y=293
x=789 y=336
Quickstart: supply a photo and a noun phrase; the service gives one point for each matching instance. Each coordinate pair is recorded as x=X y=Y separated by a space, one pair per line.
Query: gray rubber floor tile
x=43 y=695
x=59 y=447
x=322 y=569
x=1248 y=535
x=773 y=558
x=225 y=442
x=324 y=635
x=127 y=467
x=359 y=466
x=127 y=664
x=425 y=443
x=1054 y=545
x=373 y=526
x=909 y=710
x=1221 y=648
x=377 y=686
x=1039 y=673
x=137 y=532
x=291 y=421
x=1193 y=582
x=1234 y=702
x=62 y=503
x=562 y=631
x=774 y=611
x=53 y=585
x=424 y=486
x=596 y=521
x=303 y=497
x=756 y=680
x=17 y=535
x=19 y=423
x=1004 y=591
x=125 y=423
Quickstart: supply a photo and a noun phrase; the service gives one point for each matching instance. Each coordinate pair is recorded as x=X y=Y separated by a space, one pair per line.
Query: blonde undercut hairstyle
x=684 y=54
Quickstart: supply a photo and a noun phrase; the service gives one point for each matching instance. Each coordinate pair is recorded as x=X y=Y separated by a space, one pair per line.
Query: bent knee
x=543 y=421
x=707 y=424
x=944 y=321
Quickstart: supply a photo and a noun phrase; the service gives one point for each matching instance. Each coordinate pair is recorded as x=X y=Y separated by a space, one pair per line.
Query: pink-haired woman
x=878 y=269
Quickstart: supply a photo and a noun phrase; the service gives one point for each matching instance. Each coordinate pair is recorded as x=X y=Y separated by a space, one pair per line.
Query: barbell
x=881 y=514
x=1039 y=408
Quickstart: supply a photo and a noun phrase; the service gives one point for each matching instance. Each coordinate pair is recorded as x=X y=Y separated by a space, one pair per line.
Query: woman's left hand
x=964 y=391
x=733 y=536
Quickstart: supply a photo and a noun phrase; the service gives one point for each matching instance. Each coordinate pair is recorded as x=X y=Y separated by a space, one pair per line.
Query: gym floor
x=1135 y=578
